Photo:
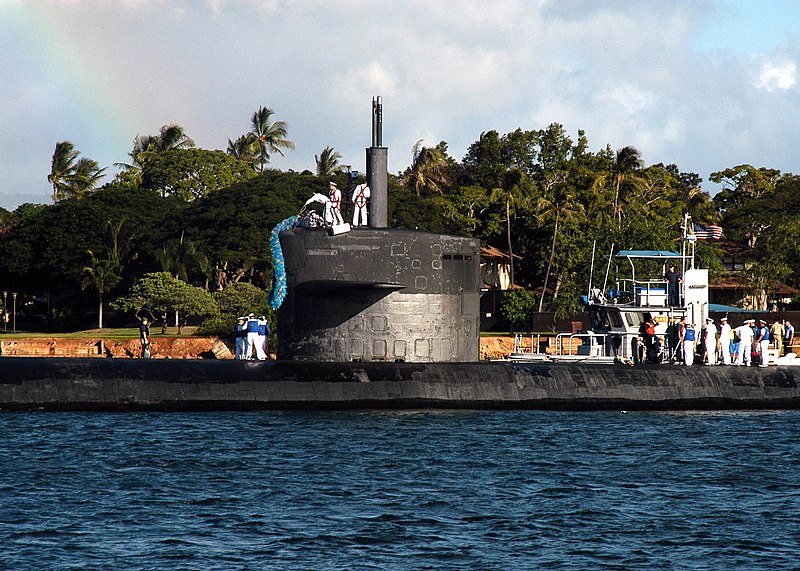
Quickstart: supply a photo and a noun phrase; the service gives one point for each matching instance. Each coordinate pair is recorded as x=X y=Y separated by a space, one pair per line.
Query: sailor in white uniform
x=360 y=196
x=711 y=342
x=328 y=215
x=334 y=207
x=253 y=340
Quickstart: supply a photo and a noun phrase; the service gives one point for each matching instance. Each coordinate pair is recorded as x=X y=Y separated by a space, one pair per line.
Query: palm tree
x=328 y=162
x=558 y=204
x=428 y=170
x=145 y=147
x=178 y=258
x=271 y=137
x=625 y=172
x=63 y=164
x=85 y=178
x=245 y=148
x=104 y=275
x=72 y=177
x=173 y=137
x=515 y=193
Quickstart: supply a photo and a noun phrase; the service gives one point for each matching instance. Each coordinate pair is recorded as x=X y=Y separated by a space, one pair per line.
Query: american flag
x=707 y=231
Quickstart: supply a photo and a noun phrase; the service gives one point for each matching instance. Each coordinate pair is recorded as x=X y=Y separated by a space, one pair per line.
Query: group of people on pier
x=745 y=345
x=252 y=337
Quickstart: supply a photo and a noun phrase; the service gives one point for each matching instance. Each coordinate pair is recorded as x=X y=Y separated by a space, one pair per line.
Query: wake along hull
x=189 y=385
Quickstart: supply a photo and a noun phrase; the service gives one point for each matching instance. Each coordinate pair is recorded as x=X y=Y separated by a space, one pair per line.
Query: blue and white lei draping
x=278 y=292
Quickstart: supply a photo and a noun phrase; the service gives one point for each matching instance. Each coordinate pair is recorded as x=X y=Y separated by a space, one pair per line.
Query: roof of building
x=735 y=282
x=490 y=252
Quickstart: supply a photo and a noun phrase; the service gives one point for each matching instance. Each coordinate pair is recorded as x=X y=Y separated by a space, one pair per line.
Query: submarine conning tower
x=377 y=293
x=378 y=171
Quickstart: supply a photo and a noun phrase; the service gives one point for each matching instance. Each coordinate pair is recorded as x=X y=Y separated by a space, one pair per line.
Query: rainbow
x=102 y=118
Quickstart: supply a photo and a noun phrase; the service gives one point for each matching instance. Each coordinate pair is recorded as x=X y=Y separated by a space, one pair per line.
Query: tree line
x=202 y=217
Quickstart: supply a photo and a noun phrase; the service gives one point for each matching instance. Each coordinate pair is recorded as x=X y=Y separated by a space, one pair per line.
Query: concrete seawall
x=134 y=384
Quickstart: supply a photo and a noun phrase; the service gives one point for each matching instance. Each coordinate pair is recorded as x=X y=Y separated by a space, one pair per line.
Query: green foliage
x=231 y=228
x=268 y=137
x=518 y=307
x=192 y=173
x=71 y=175
x=46 y=251
x=206 y=216
x=157 y=294
x=466 y=210
x=27 y=210
x=7 y=219
x=328 y=162
x=222 y=325
x=153 y=294
x=240 y=299
x=430 y=170
x=236 y=300
x=407 y=210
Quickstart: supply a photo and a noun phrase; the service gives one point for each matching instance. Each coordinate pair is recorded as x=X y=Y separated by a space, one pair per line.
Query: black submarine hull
x=192 y=385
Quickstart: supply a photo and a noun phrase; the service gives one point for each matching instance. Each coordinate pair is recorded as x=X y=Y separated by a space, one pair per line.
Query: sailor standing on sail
x=334 y=208
x=360 y=195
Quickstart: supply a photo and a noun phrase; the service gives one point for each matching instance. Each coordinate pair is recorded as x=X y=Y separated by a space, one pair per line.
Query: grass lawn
x=106 y=332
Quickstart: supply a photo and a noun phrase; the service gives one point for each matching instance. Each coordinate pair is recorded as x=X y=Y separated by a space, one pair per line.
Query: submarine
x=374 y=293
x=373 y=317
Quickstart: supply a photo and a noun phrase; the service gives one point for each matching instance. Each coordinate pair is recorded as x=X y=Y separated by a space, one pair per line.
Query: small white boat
x=618 y=314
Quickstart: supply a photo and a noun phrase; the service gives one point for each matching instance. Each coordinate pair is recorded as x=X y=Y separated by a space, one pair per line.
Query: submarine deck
x=185 y=385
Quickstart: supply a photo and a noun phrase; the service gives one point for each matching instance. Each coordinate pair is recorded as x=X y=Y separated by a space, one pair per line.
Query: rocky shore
x=494 y=347
x=161 y=347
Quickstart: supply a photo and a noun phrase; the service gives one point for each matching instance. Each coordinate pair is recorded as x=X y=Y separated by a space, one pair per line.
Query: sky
x=703 y=84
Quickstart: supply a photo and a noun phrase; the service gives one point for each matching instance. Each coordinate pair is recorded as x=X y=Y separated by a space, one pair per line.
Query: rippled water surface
x=392 y=490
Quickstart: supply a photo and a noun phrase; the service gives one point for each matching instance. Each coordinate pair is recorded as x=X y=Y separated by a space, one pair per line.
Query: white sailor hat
x=709 y=319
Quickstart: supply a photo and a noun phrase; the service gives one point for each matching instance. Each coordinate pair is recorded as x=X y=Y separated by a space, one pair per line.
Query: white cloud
x=626 y=72
x=631 y=98
x=774 y=76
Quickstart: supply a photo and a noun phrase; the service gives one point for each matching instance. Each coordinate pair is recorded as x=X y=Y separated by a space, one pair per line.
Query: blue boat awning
x=647 y=254
x=718 y=308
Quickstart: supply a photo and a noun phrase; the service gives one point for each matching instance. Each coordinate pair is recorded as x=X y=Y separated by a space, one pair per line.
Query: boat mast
x=591 y=269
x=608 y=267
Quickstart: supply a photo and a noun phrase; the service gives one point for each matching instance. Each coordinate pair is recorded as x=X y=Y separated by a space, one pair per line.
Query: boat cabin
x=640 y=294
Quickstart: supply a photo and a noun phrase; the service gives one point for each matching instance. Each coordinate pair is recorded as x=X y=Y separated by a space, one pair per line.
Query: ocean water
x=400 y=490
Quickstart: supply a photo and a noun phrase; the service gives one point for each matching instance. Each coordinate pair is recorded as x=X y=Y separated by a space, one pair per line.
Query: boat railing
x=644 y=293
x=588 y=344
x=522 y=347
